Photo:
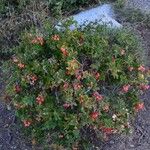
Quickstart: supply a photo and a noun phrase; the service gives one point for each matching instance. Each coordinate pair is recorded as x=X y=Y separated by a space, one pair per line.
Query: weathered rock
x=103 y=15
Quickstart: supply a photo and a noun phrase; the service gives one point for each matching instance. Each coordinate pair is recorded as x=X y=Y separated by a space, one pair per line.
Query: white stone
x=103 y=15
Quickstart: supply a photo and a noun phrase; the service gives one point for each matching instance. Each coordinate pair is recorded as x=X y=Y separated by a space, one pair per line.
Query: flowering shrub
x=62 y=81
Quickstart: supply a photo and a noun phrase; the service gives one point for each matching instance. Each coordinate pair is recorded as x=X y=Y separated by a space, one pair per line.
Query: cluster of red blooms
x=77 y=86
x=66 y=85
x=94 y=115
x=142 y=68
x=64 y=51
x=38 y=40
x=78 y=74
x=125 y=88
x=139 y=106
x=40 y=99
x=32 y=79
x=20 y=65
x=144 y=87
x=27 y=123
x=130 y=69
x=55 y=37
x=97 y=96
x=107 y=130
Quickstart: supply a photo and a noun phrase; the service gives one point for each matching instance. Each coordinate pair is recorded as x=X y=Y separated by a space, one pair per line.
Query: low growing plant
x=63 y=81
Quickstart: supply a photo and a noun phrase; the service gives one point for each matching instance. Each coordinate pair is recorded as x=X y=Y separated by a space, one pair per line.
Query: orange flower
x=139 y=106
x=94 y=115
x=97 y=96
x=38 y=40
x=78 y=74
x=21 y=65
x=81 y=99
x=55 y=37
x=130 y=69
x=142 y=68
x=34 y=78
x=40 y=99
x=107 y=130
x=64 y=51
x=125 y=88
x=77 y=86
x=66 y=85
x=27 y=123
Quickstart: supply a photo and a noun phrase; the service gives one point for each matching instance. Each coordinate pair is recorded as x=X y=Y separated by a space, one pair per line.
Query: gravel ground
x=143 y=5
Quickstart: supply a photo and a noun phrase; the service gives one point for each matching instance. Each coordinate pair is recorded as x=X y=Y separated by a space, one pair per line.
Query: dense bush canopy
x=65 y=80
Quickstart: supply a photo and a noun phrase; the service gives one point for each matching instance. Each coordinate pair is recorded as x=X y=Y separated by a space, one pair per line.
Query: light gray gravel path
x=143 y=5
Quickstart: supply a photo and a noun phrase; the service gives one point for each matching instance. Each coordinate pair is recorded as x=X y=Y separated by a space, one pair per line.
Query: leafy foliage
x=64 y=80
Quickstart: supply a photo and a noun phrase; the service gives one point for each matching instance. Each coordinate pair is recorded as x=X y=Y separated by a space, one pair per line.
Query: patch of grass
x=135 y=16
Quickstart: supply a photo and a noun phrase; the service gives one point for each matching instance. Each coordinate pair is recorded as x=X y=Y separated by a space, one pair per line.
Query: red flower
x=27 y=123
x=144 y=87
x=76 y=86
x=96 y=75
x=64 y=51
x=139 y=106
x=66 y=85
x=125 y=88
x=97 y=96
x=130 y=69
x=17 y=88
x=107 y=130
x=66 y=105
x=21 y=65
x=94 y=115
x=142 y=68
x=38 y=40
x=78 y=74
x=34 y=78
x=55 y=37
x=40 y=99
